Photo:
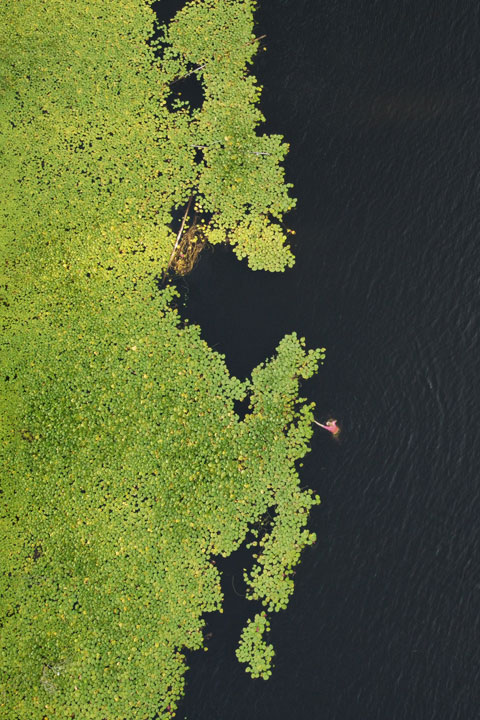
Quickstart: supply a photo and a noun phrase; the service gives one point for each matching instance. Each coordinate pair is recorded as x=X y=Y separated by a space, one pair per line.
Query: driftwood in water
x=189 y=248
x=179 y=235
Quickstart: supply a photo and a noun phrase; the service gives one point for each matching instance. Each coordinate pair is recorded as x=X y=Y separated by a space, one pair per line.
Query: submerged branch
x=179 y=235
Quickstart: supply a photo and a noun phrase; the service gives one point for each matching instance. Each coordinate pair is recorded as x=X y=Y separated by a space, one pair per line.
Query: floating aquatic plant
x=125 y=467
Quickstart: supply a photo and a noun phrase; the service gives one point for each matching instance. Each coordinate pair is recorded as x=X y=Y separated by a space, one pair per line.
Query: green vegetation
x=253 y=649
x=126 y=469
x=238 y=183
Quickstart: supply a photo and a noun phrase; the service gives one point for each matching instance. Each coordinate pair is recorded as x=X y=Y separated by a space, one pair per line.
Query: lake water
x=380 y=101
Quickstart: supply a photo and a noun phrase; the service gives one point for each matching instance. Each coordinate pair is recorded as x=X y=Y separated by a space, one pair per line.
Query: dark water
x=380 y=101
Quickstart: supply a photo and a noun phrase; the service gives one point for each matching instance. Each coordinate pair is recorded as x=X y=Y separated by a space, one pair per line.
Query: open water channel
x=380 y=101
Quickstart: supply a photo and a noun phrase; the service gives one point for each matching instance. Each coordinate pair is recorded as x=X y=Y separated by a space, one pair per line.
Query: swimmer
x=330 y=425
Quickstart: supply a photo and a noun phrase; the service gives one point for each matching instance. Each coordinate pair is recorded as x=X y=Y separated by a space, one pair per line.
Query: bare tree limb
x=179 y=235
